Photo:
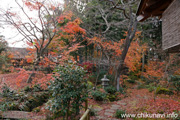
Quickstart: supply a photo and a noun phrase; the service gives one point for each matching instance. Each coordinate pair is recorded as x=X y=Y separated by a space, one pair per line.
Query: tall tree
x=34 y=28
x=111 y=19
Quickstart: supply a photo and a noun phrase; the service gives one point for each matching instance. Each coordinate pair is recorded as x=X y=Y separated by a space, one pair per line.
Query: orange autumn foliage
x=58 y=50
x=155 y=70
x=134 y=56
x=114 y=49
x=58 y=47
x=40 y=78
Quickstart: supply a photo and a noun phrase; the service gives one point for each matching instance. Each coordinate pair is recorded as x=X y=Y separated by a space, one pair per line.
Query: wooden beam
x=151 y=2
x=142 y=17
x=141 y=7
x=161 y=4
x=158 y=8
x=149 y=8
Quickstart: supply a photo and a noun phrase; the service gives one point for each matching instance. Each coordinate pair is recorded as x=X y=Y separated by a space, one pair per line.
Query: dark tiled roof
x=18 y=53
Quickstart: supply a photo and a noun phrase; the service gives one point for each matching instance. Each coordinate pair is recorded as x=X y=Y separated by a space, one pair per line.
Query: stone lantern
x=105 y=82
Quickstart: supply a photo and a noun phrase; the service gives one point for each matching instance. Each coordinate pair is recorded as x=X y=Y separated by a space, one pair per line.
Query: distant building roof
x=18 y=53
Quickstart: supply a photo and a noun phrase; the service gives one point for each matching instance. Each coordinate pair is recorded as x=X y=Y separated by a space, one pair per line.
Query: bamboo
x=86 y=114
x=86 y=104
x=86 y=107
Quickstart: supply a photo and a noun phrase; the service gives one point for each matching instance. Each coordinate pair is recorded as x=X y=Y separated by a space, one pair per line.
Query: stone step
x=21 y=115
x=110 y=110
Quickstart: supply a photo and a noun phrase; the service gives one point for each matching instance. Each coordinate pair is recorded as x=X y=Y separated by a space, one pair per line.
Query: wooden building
x=169 y=12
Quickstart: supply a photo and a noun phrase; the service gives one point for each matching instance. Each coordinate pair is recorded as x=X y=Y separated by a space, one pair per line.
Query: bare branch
x=105 y=19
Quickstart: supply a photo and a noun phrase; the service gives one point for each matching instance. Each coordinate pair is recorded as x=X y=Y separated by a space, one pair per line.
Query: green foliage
x=90 y=85
x=100 y=75
x=27 y=89
x=112 y=97
x=33 y=101
x=98 y=95
x=36 y=110
x=110 y=89
x=150 y=87
x=175 y=80
x=160 y=90
x=10 y=94
x=92 y=112
x=122 y=89
x=119 y=113
x=133 y=76
x=22 y=101
x=3 y=54
x=69 y=88
x=9 y=106
x=140 y=85
x=131 y=81
x=37 y=88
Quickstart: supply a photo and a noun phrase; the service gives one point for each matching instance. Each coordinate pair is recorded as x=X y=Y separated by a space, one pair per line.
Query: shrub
x=140 y=85
x=90 y=85
x=27 y=89
x=98 y=95
x=160 y=90
x=94 y=75
x=131 y=81
x=112 y=97
x=36 y=110
x=69 y=88
x=6 y=92
x=37 y=88
x=87 y=66
x=34 y=101
x=122 y=89
x=119 y=114
x=150 y=87
x=175 y=80
x=9 y=94
x=110 y=89
x=92 y=112
x=9 y=106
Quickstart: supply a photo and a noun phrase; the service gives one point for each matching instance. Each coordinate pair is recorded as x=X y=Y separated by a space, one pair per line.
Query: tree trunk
x=36 y=63
x=131 y=33
x=143 y=62
x=30 y=78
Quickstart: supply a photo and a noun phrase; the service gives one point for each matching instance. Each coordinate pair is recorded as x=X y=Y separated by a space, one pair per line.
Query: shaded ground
x=9 y=79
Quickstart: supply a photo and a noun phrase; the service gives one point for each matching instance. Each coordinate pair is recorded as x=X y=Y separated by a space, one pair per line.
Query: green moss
x=90 y=84
x=36 y=110
x=160 y=90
